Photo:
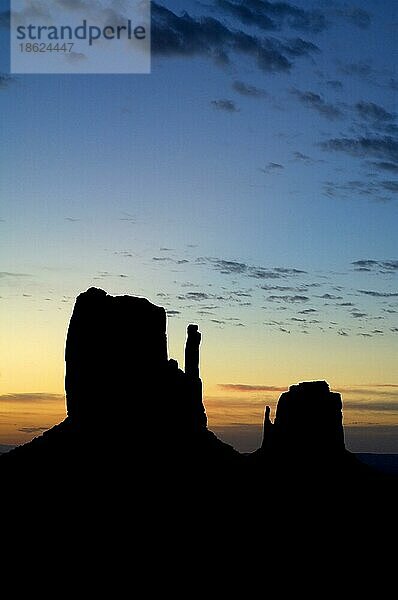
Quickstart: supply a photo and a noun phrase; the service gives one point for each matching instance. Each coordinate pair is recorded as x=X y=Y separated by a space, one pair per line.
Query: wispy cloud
x=377 y=190
x=272 y=167
x=384 y=147
x=230 y=267
x=330 y=297
x=31 y=397
x=387 y=406
x=225 y=105
x=316 y=102
x=290 y=299
x=379 y=266
x=379 y=294
x=187 y=36
x=304 y=158
x=274 y=16
x=244 y=89
x=373 y=113
x=358 y=315
x=12 y=275
x=385 y=166
x=32 y=429
x=243 y=387
x=200 y=296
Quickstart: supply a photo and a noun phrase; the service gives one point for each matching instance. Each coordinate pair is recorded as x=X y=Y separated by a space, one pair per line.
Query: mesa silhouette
x=134 y=415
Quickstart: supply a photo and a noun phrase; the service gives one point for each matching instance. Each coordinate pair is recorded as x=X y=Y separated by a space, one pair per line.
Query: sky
x=247 y=184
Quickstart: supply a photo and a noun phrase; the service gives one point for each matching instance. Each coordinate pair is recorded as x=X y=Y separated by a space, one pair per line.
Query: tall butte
x=119 y=379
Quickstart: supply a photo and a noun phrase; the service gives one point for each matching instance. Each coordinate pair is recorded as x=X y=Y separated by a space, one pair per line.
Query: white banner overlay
x=80 y=36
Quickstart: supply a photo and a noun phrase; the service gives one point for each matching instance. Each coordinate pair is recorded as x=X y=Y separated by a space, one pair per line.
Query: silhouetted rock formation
x=112 y=343
x=134 y=416
x=192 y=351
x=308 y=419
x=118 y=375
x=129 y=407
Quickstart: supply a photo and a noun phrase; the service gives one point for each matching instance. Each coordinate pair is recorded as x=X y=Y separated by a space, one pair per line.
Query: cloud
x=385 y=166
x=391 y=186
x=380 y=266
x=373 y=112
x=384 y=147
x=31 y=397
x=299 y=47
x=251 y=91
x=299 y=156
x=32 y=429
x=168 y=259
x=243 y=387
x=230 y=267
x=291 y=299
x=273 y=16
x=370 y=388
x=226 y=105
x=199 y=296
x=379 y=294
x=246 y=14
x=387 y=406
x=330 y=297
x=316 y=102
x=288 y=288
x=4 y=274
x=272 y=167
x=375 y=190
x=187 y=36
x=127 y=217
x=105 y=275
x=242 y=293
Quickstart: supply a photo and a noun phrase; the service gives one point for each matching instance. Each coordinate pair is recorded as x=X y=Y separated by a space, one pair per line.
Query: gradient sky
x=248 y=184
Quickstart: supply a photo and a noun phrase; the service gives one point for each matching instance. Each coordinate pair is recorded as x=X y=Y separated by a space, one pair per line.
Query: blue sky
x=250 y=180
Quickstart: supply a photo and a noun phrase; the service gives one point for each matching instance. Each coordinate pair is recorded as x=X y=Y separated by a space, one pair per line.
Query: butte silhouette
x=135 y=417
